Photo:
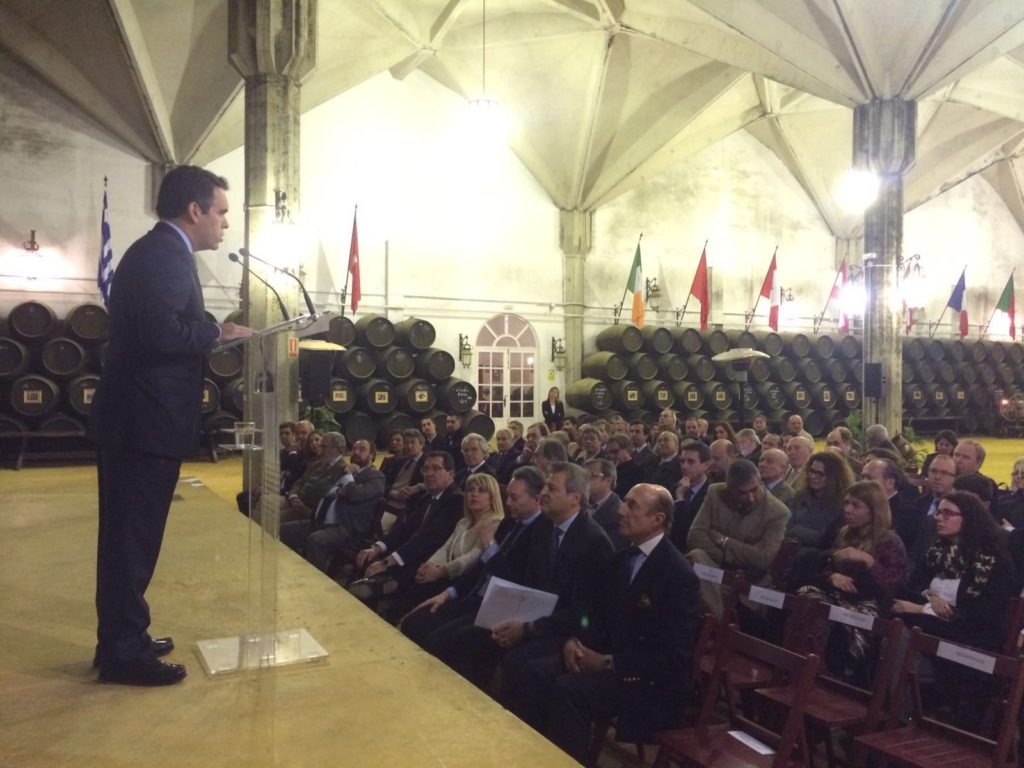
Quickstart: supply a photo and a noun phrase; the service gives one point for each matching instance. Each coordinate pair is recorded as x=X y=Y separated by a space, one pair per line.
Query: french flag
x=958 y=304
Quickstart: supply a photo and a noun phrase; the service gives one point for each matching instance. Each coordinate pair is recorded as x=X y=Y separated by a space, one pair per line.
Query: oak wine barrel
x=823 y=396
x=718 y=395
x=658 y=394
x=835 y=371
x=796 y=344
x=770 y=343
x=62 y=422
x=688 y=340
x=771 y=395
x=87 y=323
x=32 y=322
x=620 y=338
x=377 y=396
x=355 y=364
x=759 y=370
x=797 y=395
x=63 y=358
x=849 y=347
x=478 y=422
x=33 y=396
x=716 y=342
x=657 y=340
x=232 y=396
x=456 y=396
x=375 y=331
x=342 y=331
x=849 y=396
x=10 y=425
x=211 y=397
x=14 y=358
x=823 y=347
x=959 y=397
x=701 y=368
x=784 y=369
x=395 y=363
x=610 y=366
x=809 y=370
x=642 y=366
x=589 y=394
x=391 y=423
x=225 y=364
x=741 y=339
x=78 y=393
x=672 y=367
x=358 y=425
x=341 y=396
x=688 y=395
x=415 y=333
x=435 y=365
x=416 y=396
x=627 y=395
x=914 y=396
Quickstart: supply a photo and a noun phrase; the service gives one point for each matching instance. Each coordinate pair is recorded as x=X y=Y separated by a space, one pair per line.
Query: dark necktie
x=632 y=555
x=688 y=496
x=426 y=515
x=556 y=539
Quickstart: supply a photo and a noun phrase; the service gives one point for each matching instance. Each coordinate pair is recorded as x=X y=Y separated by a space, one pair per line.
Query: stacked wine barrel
x=391 y=376
x=961 y=380
x=49 y=367
x=637 y=373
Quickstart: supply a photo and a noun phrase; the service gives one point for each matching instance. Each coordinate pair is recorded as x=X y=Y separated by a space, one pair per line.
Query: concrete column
x=272 y=45
x=884 y=143
x=576 y=230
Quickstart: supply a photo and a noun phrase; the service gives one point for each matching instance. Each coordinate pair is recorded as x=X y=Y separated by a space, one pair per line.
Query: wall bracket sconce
x=31 y=245
x=558 y=353
x=465 y=351
x=281 y=213
x=786 y=294
x=652 y=294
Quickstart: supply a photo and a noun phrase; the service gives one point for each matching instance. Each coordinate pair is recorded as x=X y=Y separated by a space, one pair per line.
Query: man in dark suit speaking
x=145 y=414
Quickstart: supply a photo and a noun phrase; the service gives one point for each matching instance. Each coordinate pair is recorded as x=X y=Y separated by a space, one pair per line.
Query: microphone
x=280 y=303
x=305 y=294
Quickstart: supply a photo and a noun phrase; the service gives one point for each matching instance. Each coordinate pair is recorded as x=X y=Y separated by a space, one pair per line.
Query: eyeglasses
x=1018 y=473
x=945 y=514
x=816 y=473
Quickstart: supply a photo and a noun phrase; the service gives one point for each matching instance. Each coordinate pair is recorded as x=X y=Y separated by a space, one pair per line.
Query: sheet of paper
x=969 y=658
x=760 y=747
x=508 y=601
x=708 y=573
x=769 y=597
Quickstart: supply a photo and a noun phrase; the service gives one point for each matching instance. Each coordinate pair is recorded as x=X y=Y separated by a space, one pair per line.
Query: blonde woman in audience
x=482 y=509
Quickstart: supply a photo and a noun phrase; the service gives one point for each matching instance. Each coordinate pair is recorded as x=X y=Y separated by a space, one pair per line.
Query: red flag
x=770 y=289
x=699 y=289
x=353 y=264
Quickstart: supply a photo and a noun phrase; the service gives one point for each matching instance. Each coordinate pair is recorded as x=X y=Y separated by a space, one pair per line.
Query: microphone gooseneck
x=280 y=302
x=305 y=294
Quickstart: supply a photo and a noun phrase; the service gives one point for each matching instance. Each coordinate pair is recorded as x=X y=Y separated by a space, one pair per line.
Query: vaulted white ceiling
x=604 y=93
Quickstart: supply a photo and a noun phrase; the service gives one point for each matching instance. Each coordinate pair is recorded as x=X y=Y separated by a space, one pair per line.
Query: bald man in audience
x=841 y=441
x=773 y=466
x=798 y=450
x=795 y=427
x=666 y=472
x=723 y=453
x=740 y=526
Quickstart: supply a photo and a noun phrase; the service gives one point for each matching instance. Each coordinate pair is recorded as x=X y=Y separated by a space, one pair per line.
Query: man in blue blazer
x=145 y=415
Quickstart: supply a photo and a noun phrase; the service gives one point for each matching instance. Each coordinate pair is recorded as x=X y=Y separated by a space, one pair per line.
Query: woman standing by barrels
x=553 y=410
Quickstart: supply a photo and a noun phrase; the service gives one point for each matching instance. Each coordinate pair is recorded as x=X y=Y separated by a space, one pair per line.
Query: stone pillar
x=884 y=143
x=576 y=230
x=272 y=45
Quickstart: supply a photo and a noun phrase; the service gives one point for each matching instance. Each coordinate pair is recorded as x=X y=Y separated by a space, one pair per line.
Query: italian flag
x=1008 y=306
x=635 y=285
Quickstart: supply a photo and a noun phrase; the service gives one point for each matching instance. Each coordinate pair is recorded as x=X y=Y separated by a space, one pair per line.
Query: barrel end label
x=32 y=397
x=339 y=396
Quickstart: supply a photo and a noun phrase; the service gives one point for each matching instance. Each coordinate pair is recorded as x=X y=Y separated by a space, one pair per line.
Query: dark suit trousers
x=135 y=491
x=565 y=705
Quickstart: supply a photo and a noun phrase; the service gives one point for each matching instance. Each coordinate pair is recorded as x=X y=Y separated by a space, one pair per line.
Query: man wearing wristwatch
x=635 y=663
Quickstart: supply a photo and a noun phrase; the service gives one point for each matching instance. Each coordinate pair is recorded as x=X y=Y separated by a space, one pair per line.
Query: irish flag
x=635 y=285
x=1008 y=306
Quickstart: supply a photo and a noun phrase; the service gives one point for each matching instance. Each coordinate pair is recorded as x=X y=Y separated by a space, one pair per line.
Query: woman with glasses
x=962 y=590
x=817 y=509
x=864 y=569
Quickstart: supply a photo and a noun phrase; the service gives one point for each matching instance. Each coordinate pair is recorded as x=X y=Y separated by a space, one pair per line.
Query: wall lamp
x=465 y=351
x=558 y=353
x=652 y=294
x=281 y=213
x=31 y=245
x=786 y=294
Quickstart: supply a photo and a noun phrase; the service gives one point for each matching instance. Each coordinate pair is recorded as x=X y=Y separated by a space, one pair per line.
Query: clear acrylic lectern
x=260 y=644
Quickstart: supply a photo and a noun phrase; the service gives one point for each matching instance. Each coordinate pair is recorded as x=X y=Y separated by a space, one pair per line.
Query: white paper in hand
x=508 y=601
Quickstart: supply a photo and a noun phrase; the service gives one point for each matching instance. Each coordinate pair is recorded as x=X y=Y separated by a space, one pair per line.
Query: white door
x=507 y=372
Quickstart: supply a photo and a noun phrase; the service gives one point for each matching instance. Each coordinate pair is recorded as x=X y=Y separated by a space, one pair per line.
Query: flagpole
x=682 y=312
x=617 y=310
x=991 y=317
x=750 y=317
x=344 y=290
x=938 y=322
x=821 y=317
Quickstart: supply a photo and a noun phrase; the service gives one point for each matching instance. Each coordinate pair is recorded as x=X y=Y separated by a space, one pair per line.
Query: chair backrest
x=886 y=671
x=783 y=560
x=1006 y=671
x=1014 y=625
x=795 y=669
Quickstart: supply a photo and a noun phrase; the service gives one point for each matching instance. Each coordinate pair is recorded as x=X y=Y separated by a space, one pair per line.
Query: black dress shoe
x=143 y=672
x=160 y=646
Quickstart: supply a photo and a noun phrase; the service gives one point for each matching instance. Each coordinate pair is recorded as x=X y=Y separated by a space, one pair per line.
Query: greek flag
x=105 y=274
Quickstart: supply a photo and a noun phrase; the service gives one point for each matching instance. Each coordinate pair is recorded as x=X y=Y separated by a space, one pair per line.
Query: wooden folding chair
x=835 y=704
x=929 y=743
x=743 y=742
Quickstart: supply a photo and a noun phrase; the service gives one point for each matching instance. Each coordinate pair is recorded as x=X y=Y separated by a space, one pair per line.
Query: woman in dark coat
x=553 y=410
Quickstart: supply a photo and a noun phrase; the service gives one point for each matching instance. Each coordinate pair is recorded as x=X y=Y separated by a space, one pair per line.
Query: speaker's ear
x=872 y=379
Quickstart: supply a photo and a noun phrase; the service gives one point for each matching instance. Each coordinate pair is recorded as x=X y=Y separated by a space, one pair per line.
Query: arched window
x=507 y=373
